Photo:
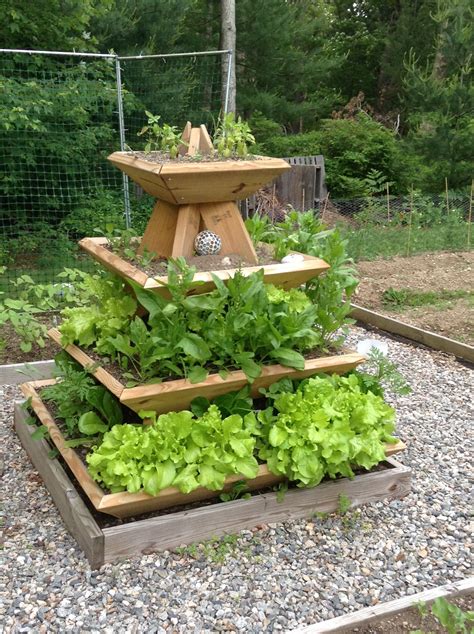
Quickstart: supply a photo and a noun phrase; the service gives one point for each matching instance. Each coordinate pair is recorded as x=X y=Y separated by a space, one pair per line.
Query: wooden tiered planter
x=126 y=504
x=286 y=275
x=178 y=394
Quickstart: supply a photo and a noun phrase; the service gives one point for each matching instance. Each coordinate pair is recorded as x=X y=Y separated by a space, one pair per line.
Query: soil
x=425 y=272
x=164 y=157
x=159 y=267
x=10 y=351
x=410 y=620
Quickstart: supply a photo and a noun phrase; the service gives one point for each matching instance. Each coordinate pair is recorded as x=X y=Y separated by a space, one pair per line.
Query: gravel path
x=271 y=579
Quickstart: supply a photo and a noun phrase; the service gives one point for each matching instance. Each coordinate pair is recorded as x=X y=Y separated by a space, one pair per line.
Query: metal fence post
x=126 y=191
x=227 y=88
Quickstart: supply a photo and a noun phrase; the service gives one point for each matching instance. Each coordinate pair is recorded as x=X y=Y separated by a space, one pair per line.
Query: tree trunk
x=228 y=36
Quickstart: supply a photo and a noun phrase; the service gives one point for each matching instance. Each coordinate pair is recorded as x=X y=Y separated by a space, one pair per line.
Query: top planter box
x=185 y=182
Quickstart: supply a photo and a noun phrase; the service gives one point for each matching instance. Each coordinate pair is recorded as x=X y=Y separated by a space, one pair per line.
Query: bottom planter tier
x=107 y=540
x=125 y=504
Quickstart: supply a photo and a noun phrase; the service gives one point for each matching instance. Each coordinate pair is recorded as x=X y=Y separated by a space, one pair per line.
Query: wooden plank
x=124 y=504
x=187 y=229
x=113 y=262
x=74 y=462
x=225 y=220
x=194 y=141
x=74 y=512
x=379 y=612
x=170 y=531
x=214 y=181
x=81 y=357
x=145 y=173
x=425 y=337
x=205 y=143
x=160 y=231
x=178 y=394
x=15 y=373
x=183 y=148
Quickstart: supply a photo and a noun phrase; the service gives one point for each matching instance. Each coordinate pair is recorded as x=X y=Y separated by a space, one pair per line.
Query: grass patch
x=407 y=298
x=372 y=242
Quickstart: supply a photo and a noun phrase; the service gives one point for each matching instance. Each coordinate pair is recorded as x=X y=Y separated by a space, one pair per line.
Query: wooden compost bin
x=178 y=394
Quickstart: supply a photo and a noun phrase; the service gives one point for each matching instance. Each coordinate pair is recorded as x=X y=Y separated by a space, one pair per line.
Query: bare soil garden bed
x=438 y=273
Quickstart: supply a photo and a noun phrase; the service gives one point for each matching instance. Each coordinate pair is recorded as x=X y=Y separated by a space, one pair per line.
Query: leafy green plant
x=239 y=325
x=382 y=374
x=331 y=292
x=177 y=449
x=232 y=136
x=84 y=406
x=325 y=428
x=239 y=491
x=161 y=137
x=450 y=616
x=109 y=311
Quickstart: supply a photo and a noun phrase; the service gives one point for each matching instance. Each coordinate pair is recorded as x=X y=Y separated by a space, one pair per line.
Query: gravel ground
x=272 y=579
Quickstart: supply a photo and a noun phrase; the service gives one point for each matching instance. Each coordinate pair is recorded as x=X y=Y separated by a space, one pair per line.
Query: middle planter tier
x=284 y=274
x=177 y=394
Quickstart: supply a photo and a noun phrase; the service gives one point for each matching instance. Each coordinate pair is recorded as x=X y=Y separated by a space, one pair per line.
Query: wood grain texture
x=74 y=512
x=144 y=173
x=194 y=142
x=170 y=531
x=111 y=261
x=225 y=220
x=81 y=357
x=425 y=337
x=183 y=148
x=161 y=229
x=126 y=504
x=187 y=228
x=205 y=142
x=178 y=394
x=78 y=468
x=348 y=622
x=287 y=276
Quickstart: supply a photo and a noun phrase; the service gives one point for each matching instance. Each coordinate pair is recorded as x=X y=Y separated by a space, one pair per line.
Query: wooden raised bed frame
x=126 y=504
x=286 y=275
x=105 y=545
x=178 y=394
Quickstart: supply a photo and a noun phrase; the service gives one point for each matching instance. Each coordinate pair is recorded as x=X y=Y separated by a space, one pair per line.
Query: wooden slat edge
x=337 y=363
x=315 y=265
x=81 y=357
x=169 y=531
x=425 y=337
x=384 y=610
x=112 y=261
x=74 y=512
x=92 y=490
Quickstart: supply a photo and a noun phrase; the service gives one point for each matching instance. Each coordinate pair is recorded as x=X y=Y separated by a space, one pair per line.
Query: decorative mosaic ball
x=207 y=243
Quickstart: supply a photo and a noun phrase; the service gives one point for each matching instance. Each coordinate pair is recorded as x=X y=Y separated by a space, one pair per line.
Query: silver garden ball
x=207 y=243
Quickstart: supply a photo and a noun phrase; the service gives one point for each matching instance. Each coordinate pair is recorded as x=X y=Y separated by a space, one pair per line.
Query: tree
x=228 y=41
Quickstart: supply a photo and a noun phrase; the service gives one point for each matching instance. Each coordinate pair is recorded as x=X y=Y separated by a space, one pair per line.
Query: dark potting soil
x=202 y=263
x=164 y=157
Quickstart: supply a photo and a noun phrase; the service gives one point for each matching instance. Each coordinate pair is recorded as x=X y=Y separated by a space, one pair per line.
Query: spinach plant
x=84 y=406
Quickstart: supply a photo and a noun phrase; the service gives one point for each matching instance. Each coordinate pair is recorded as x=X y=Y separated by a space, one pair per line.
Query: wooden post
x=469 y=219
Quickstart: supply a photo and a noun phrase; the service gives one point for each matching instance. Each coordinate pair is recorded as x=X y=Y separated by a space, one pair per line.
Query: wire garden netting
x=59 y=120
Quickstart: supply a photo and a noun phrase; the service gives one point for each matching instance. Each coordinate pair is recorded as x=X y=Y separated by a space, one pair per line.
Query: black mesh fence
x=59 y=119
